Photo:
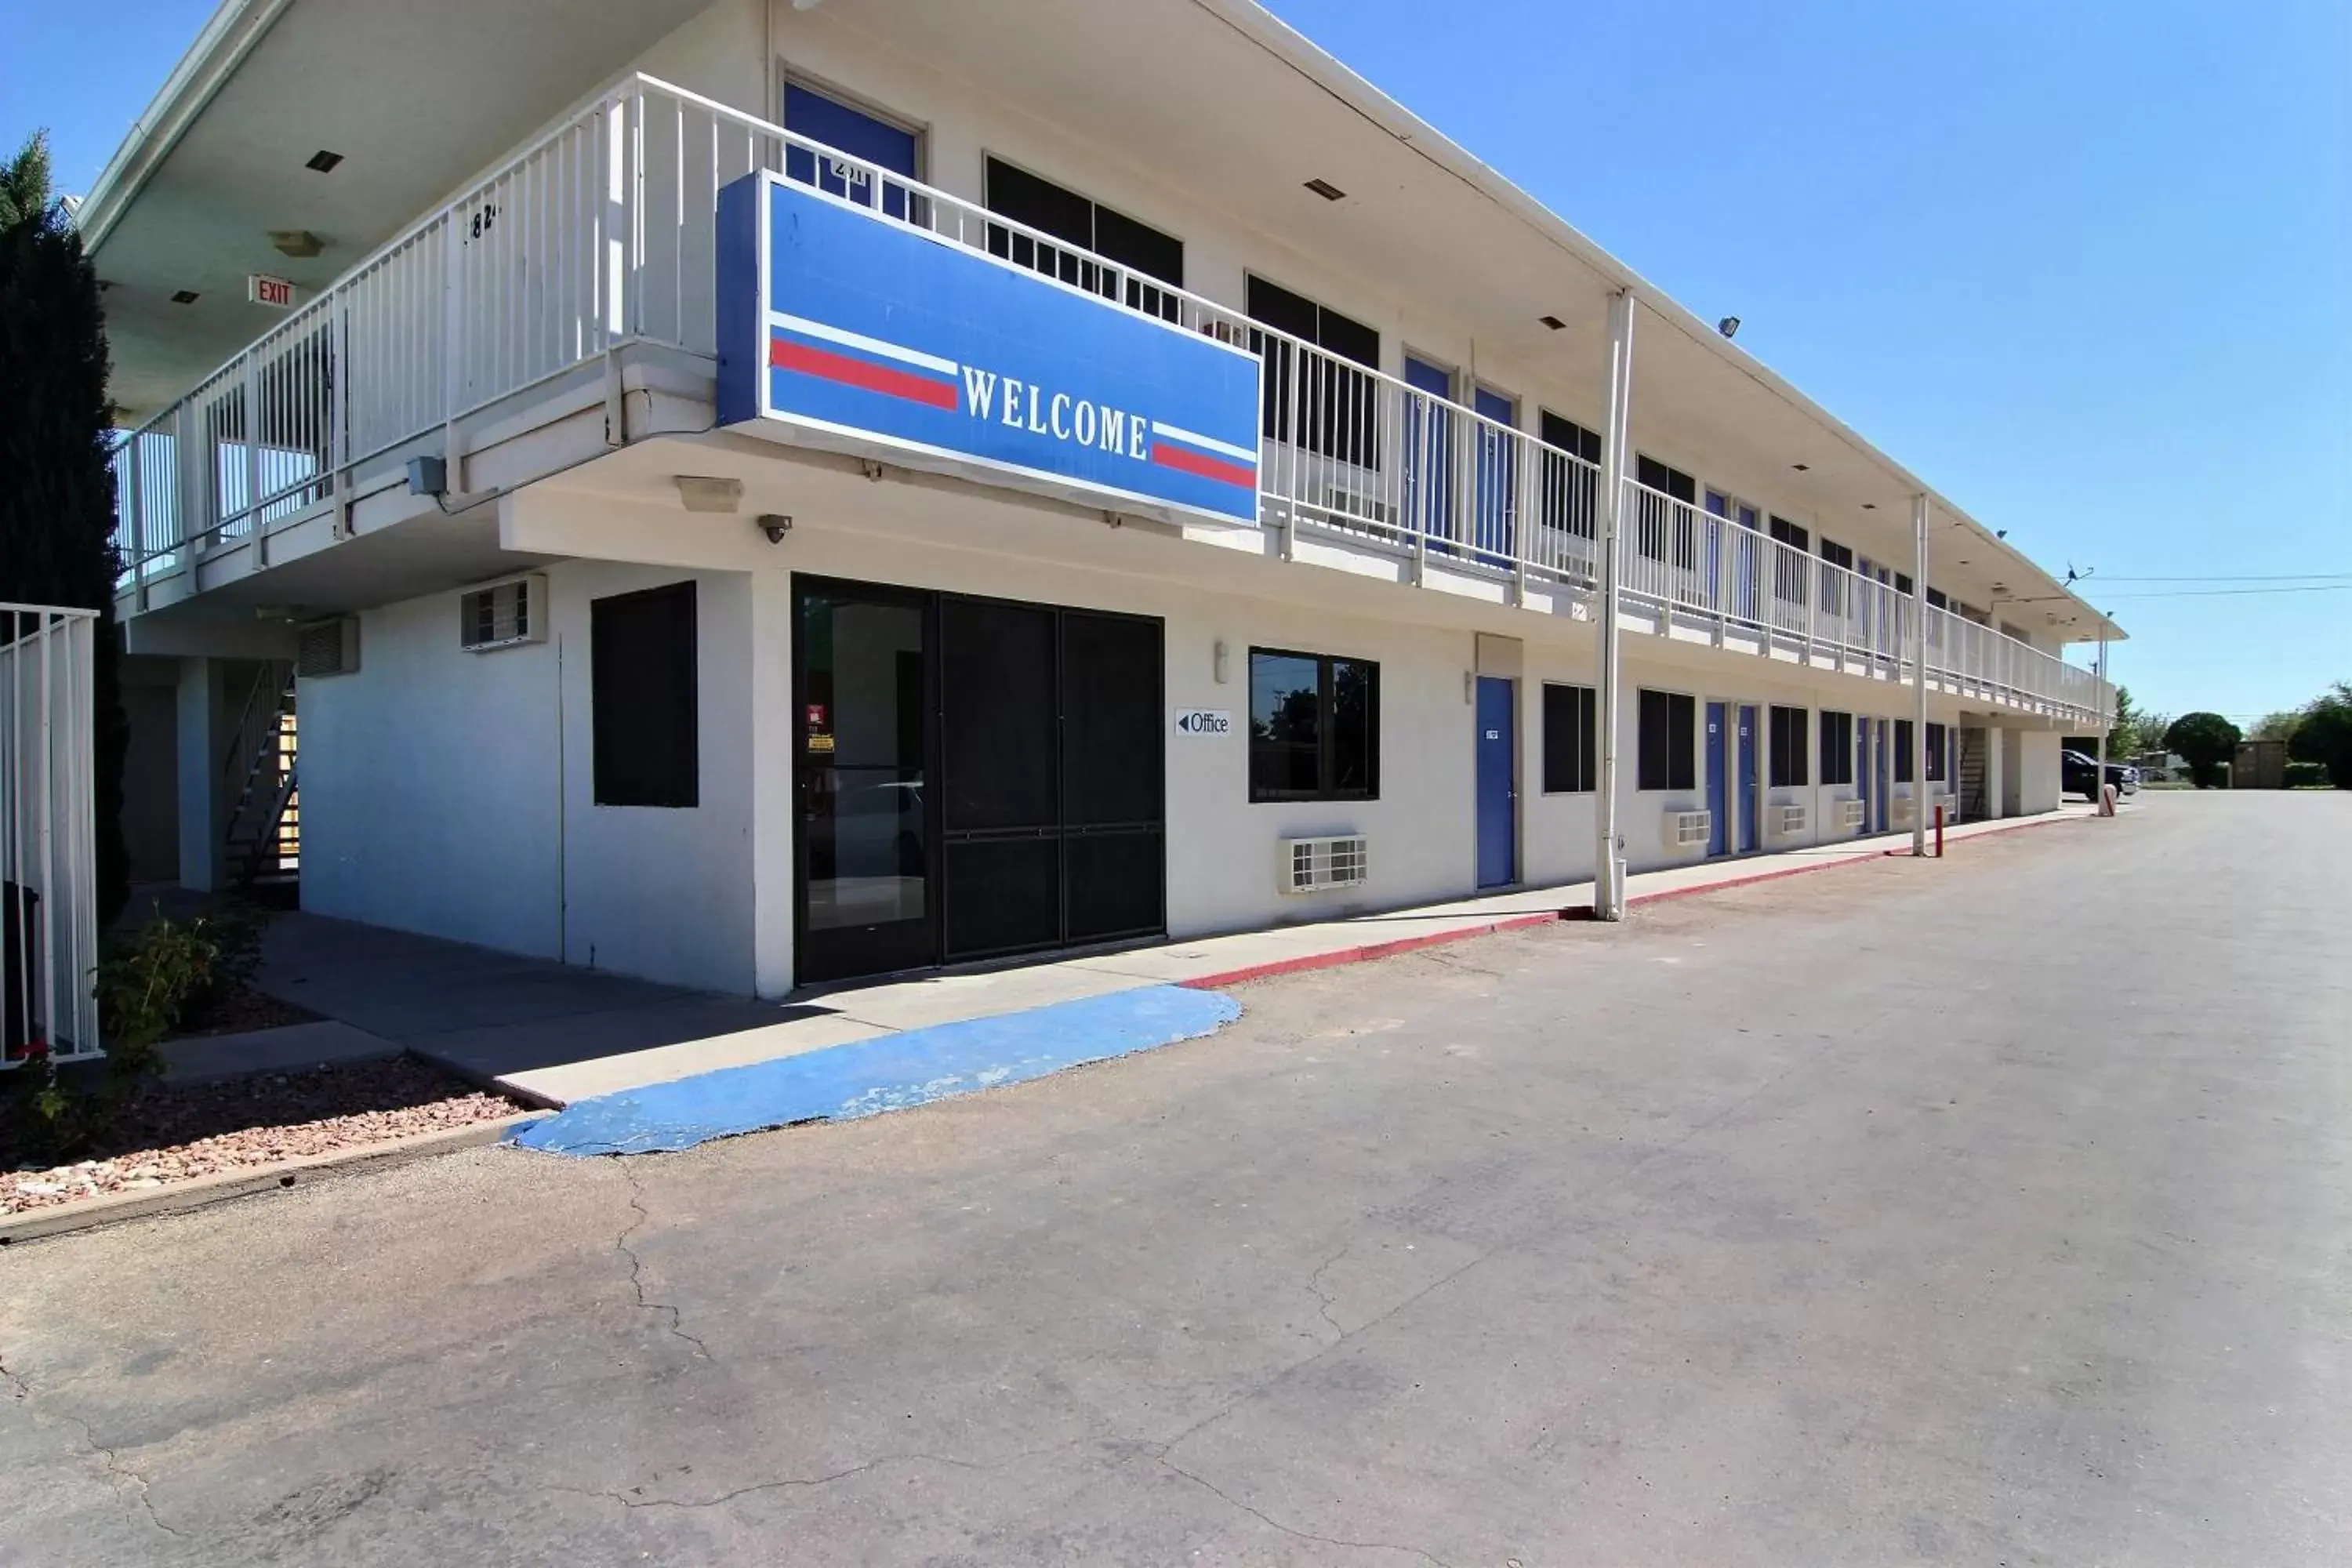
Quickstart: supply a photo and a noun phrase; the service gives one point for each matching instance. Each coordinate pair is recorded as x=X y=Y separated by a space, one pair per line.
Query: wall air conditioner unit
x=326 y=647
x=503 y=615
x=1851 y=814
x=1322 y=864
x=1791 y=819
x=1689 y=829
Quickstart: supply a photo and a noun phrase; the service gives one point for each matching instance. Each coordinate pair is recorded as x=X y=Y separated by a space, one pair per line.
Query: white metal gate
x=48 y=859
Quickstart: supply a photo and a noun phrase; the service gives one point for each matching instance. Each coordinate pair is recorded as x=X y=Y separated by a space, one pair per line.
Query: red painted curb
x=1367 y=952
x=1370 y=950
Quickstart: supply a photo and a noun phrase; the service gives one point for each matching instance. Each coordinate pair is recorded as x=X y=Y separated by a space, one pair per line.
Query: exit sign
x=264 y=290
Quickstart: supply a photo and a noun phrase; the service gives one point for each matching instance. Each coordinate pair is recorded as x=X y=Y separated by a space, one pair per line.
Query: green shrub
x=2300 y=774
x=151 y=982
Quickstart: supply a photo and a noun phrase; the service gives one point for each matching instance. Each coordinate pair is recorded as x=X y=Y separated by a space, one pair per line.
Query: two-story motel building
x=759 y=492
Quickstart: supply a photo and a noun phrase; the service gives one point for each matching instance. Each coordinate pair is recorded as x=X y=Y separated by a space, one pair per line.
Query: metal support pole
x=2106 y=718
x=1608 y=861
x=1919 y=675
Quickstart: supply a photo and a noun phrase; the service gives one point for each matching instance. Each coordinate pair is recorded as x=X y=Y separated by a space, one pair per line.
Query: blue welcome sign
x=835 y=319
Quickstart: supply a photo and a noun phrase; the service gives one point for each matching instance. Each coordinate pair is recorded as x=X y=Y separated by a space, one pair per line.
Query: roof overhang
x=418 y=97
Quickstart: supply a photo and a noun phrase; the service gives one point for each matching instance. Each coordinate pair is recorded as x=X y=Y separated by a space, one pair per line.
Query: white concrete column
x=775 y=797
x=1920 y=673
x=1608 y=857
x=1996 y=773
x=2106 y=718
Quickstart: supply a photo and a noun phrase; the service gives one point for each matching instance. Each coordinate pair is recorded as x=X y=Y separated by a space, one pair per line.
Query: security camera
x=775 y=526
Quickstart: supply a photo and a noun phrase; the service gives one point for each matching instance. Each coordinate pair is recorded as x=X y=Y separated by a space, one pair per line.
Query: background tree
x=56 y=489
x=2206 y=742
x=2151 y=729
x=2276 y=726
x=2123 y=734
x=2324 y=735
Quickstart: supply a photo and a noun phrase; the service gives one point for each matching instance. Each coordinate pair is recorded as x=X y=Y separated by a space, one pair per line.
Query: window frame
x=1147 y=292
x=609 y=784
x=1678 y=779
x=1348 y=428
x=1570 y=503
x=1325 y=736
x=1836 y=761
x=1581 y=763
x=1789 y=761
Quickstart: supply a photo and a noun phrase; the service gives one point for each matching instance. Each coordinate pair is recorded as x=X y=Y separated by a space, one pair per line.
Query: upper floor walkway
x=582 y=267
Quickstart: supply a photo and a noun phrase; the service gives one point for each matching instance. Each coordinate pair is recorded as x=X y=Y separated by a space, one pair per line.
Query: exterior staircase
x=263 y=844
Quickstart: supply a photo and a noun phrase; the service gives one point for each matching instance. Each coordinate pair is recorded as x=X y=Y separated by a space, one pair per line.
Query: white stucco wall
x=452 y=793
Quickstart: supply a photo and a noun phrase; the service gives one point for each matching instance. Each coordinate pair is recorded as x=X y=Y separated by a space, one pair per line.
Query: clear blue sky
x=2087 y=267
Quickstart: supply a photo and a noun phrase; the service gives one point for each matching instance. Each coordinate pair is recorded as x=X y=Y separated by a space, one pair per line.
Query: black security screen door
x=975 y=777
x=1053 y=804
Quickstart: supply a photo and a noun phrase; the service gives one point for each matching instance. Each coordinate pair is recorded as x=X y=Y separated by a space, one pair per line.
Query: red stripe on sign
x=1184 y=460
x=785 y=354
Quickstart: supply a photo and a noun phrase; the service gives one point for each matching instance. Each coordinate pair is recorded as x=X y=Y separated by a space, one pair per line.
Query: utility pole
x=1919 y=675
x=1608 y=862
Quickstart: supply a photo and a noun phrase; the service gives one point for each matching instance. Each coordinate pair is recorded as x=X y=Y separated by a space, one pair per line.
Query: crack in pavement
x=636 y=1267
x=785 y=1484
x=117 y=1472
x=1322 y=1297
x=796 y=1482
x=1443 y=961
x=1297 y=1534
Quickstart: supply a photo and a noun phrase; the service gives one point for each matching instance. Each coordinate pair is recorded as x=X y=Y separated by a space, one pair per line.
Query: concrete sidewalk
x=555 y=1033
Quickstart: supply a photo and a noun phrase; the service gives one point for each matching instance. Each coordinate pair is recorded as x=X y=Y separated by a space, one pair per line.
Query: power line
x=2280 y=577
x=2217 y=592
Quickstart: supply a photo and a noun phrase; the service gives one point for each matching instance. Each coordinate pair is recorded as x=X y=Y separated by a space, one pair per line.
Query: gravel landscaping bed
x=175 y=1131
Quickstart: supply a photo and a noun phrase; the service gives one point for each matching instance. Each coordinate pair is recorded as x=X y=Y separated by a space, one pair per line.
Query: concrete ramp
x=887 y=1072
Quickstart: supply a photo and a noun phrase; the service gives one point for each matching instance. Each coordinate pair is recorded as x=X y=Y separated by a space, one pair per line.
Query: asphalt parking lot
x=1990 y=1210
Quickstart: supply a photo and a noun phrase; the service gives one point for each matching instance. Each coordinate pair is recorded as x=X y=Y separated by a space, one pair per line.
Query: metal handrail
x=602 y=233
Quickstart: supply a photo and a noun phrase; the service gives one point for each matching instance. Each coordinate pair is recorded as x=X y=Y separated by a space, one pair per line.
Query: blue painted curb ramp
x=889 y=1072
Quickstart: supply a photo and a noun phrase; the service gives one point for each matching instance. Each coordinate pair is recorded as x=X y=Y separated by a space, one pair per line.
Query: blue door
x=1428 y=450
x=1499 y=856
x=1750 y=837
x=1864 y=775
x=862 y=136
x=1498 y=475
x=1718 y=803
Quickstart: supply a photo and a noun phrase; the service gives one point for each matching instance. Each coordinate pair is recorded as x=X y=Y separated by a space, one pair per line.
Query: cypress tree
x=56 y=488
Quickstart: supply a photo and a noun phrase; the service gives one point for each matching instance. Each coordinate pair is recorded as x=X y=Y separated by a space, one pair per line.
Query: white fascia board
x=1326 y=73
x=234 y=27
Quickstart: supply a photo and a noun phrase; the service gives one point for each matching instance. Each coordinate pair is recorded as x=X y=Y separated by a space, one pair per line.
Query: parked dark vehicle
x=2076 y=770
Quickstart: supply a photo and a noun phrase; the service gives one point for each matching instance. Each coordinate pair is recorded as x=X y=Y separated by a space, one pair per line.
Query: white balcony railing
x=601 y=235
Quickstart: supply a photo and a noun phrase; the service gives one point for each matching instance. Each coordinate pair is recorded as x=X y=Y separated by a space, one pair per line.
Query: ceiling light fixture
x=298 y=243
x=185 y=296
x=1326 y=189
x=1554 y=322
x=1801 y=468
x=1870 y=506
x=322 y=162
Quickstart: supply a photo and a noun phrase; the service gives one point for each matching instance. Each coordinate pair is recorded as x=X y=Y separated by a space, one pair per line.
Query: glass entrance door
x=867 y=870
